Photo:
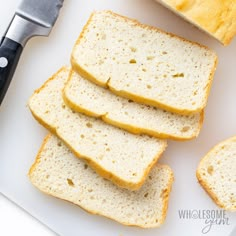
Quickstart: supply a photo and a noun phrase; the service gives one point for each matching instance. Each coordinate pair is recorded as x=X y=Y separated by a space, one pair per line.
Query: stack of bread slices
x=130 y=87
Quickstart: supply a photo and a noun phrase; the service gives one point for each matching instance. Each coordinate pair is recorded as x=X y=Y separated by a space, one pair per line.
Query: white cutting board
x=21 y=135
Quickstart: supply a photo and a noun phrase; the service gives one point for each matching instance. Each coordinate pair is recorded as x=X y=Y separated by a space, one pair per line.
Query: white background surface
x=14 y=221
x=21 y=136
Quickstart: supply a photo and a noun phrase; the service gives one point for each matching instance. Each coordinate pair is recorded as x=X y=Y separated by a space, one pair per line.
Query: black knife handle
x=10 y=52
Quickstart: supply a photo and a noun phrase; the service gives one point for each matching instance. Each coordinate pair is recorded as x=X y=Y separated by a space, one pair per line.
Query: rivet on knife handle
x=10 y=52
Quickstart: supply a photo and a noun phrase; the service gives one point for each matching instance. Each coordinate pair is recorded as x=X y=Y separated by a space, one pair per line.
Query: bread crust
x=219 y=22
x=204 y=183
x=135 y=97
x=165 y=200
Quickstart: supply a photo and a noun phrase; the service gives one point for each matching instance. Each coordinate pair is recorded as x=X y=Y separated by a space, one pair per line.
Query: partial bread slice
x=86 y=97
x=217 y=18
x=217 y=174
x=118 y=155
x=144 y=64
x=57 y=172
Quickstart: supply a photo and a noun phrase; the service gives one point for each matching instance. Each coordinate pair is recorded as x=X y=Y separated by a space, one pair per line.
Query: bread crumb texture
x=59 y=173
x=216 y=17
x=216 y=173
x=86 y=97
x=144 y=64
x=117 y=155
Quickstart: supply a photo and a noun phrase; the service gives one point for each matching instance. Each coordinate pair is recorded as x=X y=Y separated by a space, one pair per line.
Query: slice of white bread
x=115 y=154
x=59 y=173
x=217 y=174
x=86 y=97
x=217 y=18
x=144 y=64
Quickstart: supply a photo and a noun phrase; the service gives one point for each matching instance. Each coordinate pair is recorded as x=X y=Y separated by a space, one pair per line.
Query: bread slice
x=217 y=18
x=144 y=64
x=86 y=97
x=217 y=174
x=59 y=173
x=118 y=155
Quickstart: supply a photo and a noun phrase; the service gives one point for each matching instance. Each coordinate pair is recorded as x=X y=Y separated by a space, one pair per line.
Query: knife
x=32 y=18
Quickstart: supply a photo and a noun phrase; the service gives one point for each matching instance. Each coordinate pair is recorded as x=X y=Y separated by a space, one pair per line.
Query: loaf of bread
x=144 y=64
x=217 y=174
x=217 y=18
x=86 y=97
x=59 y=173
x=115 y=154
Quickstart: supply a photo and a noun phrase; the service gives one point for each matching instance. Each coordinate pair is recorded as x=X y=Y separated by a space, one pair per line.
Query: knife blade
x=32 y=18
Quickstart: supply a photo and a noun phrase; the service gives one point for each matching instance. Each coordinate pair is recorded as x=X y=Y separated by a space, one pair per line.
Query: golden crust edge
x=224 y=38
x=204 y=183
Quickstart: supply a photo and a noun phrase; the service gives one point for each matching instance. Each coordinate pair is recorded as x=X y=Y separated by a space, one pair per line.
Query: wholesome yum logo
x=210 y=217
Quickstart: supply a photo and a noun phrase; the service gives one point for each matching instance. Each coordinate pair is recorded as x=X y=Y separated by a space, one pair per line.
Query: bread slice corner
x=216 y=174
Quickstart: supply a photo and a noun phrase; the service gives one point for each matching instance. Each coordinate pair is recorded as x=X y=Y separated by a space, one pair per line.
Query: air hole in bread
x=85 y=166
x=178 y=75
x=100 y=62
x=59 y=144
x=134 y=174
x=133 y=49
x=164 y=53
x=89 y=125
x=70 y=182
x=149 y=58
x=149 y=86
x=185 y=129
x=130 y=101
x=63 y=106
x=82 y=136
x=210 y=170
x=144 y=70
x=146 y=194
x=132 y=61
